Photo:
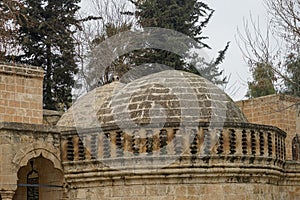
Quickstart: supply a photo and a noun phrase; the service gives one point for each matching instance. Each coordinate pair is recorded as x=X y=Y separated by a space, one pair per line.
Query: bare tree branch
x=257 y=47
x=286 y=18
x=108 y=14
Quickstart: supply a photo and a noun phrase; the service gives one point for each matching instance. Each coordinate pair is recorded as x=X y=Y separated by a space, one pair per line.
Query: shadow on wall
x=39 y=180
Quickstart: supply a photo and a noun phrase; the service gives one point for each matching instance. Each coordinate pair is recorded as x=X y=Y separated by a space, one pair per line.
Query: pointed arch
x=32 y=151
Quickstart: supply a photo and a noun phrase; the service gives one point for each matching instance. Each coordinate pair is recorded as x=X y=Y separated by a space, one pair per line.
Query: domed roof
x=166 y=97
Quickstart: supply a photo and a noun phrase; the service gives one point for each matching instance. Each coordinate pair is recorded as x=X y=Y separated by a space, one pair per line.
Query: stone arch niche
x=296 y=148
x=47 y=183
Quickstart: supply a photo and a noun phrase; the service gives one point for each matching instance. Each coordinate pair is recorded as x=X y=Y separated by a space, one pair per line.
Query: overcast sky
x=228 y=16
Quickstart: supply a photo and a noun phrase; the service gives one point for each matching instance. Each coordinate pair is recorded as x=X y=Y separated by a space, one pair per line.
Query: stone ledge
x=130 y=164
x=187 y=175
x=22 y=70
x=14 y=126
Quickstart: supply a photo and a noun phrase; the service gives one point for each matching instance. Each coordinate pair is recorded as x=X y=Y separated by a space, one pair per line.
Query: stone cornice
x=21 y=127
x=22 y=70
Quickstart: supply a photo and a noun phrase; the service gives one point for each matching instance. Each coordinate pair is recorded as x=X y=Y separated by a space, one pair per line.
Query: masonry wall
x=188 y=191
x=21 y=94
x=20 y=143
x=281 y=111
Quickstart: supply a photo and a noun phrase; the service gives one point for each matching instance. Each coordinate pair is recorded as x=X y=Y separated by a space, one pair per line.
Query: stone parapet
x=234 y=152
x=277 y=110
x=237 y=161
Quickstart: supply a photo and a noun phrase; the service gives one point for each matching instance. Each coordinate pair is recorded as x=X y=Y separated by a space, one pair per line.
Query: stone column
x=7 y=195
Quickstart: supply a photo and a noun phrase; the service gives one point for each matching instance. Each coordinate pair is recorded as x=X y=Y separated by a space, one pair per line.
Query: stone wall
x=188 y=191
x=20 y=143
x=21 y=94
x=248 y=162
x=276 y=110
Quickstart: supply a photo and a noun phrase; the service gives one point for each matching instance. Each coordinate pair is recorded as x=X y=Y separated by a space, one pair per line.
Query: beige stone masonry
x=21 y=94
x=275 y=110
x=19 y=143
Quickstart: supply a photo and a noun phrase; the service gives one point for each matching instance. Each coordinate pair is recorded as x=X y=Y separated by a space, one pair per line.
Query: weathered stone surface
x=279 y=110
x=21 y=93
x=20 y=143
x=84 y=112
x=178 y=97
x=51 y=117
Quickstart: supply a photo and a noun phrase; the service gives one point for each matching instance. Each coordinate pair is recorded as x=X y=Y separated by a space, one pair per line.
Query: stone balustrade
x=232 y=143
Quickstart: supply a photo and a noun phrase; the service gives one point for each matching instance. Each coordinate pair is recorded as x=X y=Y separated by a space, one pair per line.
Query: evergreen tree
x=118 y=68
x=9 y=12
x=185 y=16
x=46 y=37
x=209 y=70
x=263 y=83
x=292 y=83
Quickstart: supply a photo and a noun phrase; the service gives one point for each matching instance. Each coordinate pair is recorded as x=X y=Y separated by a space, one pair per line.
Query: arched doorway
x=39 y=180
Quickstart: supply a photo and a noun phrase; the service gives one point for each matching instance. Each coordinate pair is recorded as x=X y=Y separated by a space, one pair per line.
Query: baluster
x=178 y=142
x=64 y=146
x=87 y=145
x=281 y=148
x=106 y=146
x=261 y=143
x=76 y=148
x=220 y=149
x=276 y=147
x=81 y=149
x=270 y=142
x=170 y=144
x=142 y=142
x=253 y=143
x=194 y=143
x=149 y=142
x=93 y=147
x=284 y=150
x=134 y=143
x=244 y=142
x=127 y=144
x=207 y=142
x=70 y=148
x=100 y=149
x=119 y=144
x=232 y=141
x=163 y=142
x=113 y=146
x=156 y=142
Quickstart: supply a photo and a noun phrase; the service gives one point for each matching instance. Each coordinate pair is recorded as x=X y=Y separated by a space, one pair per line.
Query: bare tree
x=106 y=20
x=260 y=47
x=286 y=20
x=266 y=47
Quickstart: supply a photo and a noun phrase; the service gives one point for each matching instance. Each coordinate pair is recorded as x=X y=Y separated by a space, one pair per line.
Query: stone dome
x=166 y=97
